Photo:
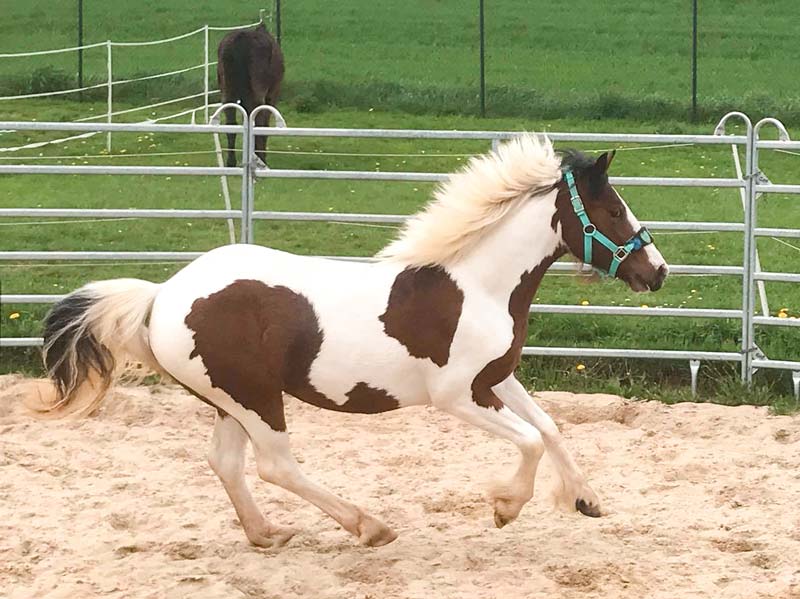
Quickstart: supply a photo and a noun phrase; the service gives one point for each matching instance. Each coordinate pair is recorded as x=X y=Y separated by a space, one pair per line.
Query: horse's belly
x=350 y=364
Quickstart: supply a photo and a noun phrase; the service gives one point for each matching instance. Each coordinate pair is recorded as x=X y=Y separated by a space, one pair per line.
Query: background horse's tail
x=90 y=338
x=235 y=58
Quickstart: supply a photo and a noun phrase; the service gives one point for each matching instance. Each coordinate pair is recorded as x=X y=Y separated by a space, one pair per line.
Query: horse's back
x=250 y=60
x=308 y=326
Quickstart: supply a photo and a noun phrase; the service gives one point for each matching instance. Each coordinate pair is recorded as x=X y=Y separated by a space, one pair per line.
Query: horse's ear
x=604 y=161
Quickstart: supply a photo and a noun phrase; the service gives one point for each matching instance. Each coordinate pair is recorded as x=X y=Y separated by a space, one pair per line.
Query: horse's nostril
x=663 y=270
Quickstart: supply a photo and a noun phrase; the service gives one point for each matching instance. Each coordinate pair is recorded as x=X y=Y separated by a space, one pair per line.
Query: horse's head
x=599 y=228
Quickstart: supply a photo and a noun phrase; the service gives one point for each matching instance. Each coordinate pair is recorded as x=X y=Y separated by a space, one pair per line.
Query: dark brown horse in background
x=249 y=71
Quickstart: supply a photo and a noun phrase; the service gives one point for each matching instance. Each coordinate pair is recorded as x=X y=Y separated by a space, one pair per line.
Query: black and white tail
x=91 y=336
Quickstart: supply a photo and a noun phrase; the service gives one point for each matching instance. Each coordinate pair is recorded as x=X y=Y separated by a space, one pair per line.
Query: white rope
x=57 y=51
x=234 y=27
x=159 y=75
x=105 y=114
x=162 y=41
x=423 y=154
x=150 y=43
x=788 y=152
x=791 y=245
x=659 y=147
x=90 y=134
x=55 y=93
x=41 y=144
x=156 y=105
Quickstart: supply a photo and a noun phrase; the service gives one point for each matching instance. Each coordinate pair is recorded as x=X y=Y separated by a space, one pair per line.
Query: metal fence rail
x=749 y=356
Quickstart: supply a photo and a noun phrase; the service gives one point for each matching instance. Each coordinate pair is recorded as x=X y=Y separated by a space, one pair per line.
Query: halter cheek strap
x=619 y=253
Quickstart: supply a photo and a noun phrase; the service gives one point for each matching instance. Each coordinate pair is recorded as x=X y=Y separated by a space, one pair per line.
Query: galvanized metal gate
x=751 y=183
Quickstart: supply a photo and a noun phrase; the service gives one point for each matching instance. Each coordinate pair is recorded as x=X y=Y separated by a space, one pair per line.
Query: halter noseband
x=619 y=253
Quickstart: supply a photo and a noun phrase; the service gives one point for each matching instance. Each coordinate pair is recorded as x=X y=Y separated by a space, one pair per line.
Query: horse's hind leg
x=226 y=458
x=575 y=492
x=277 y=466
x=262 y=120
x=230 y=119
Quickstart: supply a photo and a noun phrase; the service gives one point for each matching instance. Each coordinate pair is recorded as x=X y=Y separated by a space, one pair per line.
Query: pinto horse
x=249 y=71
x=439 y=319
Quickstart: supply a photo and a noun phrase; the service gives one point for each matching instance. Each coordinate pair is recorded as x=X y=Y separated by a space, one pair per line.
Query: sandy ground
x=702 y=501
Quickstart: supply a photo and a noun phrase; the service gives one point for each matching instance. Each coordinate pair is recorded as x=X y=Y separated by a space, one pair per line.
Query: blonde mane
x=475 y=199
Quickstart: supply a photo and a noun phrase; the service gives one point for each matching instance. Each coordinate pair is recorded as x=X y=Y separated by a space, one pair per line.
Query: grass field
x=389 y=75
x=544 y=59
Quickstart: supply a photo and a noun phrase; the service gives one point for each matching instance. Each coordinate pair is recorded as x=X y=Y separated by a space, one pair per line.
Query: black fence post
x=694 y=59
x=80 y=43
x=278 y=20
x=483 y=60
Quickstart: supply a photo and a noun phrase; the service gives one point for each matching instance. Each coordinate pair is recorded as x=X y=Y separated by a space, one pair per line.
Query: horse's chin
x=637 y=284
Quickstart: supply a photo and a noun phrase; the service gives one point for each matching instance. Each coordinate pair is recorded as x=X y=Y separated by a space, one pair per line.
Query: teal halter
x=618 y=252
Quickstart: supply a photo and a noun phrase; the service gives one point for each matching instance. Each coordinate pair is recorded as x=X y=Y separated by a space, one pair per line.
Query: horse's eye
x=617 y=212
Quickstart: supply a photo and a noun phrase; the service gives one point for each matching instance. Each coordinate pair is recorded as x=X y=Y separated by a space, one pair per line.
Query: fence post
x=247 y=200
x=80 y=45
x=747 y=263
x=482 y=58
x=205 y=72
x=694 y=59
x=748 y=199
x=110 y=99
x=751 y=246
x=278 y=20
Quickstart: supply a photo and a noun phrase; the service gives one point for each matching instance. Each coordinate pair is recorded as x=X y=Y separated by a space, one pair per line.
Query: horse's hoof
x=273 y=537
x=500 y=520
x=588 y=509
x=374 y=533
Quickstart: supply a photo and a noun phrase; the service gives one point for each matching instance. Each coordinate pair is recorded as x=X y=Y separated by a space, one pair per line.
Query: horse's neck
x=523 y=240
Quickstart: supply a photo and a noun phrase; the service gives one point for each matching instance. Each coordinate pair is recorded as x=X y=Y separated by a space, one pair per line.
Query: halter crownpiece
x=619 y=253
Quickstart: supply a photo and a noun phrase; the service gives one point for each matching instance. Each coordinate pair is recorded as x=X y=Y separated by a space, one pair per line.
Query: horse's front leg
x=508 y=498
x=575 y=492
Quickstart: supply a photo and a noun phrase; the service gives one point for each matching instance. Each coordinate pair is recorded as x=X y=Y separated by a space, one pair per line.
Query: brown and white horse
x=439 y=319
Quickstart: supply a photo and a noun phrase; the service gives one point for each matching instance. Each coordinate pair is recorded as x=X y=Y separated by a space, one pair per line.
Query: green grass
x=575 y=66
x=667 y=381
x=544 y=60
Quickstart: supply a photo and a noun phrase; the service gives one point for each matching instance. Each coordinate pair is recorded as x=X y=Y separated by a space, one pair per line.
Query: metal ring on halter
x=589 y=229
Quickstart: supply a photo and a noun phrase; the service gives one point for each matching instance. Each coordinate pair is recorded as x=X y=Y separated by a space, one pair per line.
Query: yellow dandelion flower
x=782 y=315
x=645 y=306
x=14 y=315
x=580 y=367
x=584 y=302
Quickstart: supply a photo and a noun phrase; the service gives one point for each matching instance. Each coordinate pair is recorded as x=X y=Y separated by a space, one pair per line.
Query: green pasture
x=581 y=58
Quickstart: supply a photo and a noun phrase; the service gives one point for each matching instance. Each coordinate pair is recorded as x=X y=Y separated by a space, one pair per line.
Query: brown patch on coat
x=423 y=312
x=258 y=341
x=500 y=369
